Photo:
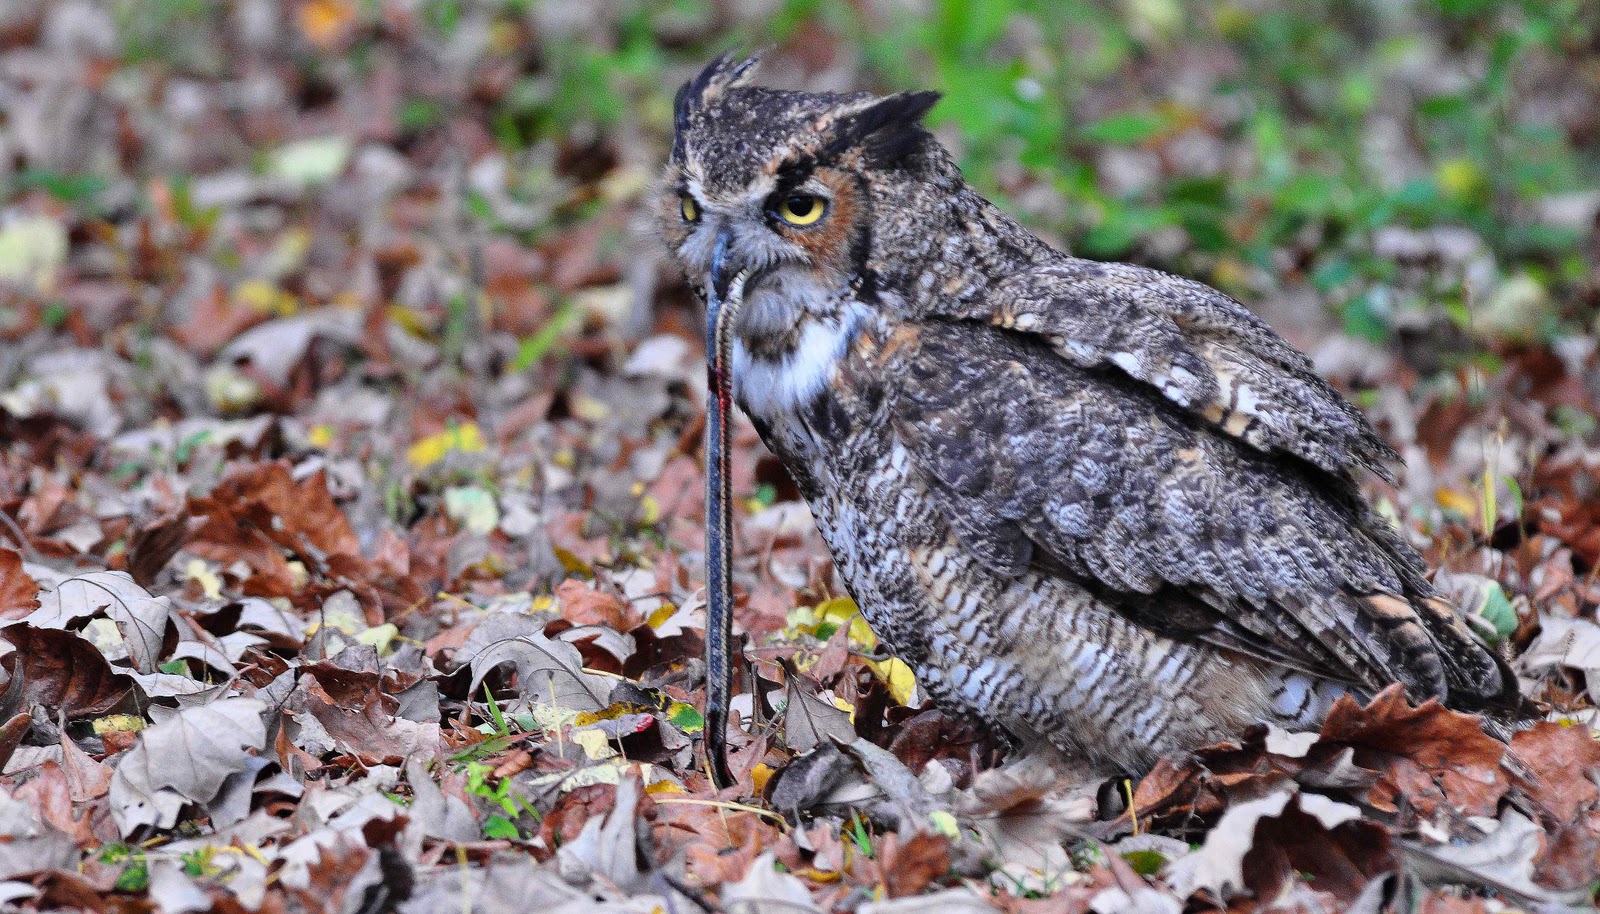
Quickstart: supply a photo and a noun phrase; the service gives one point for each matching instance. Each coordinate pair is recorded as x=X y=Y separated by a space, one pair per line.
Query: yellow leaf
x=897 y=676
x=609 y=713
x=596 y=745
x=1460 y=178
x=649 y=511
x=551 y=718
x=661 y=615
x=265 y=297
x=465 y=438
x=760 y=775
x=379 y=636
x=1459 y=502
x=320 y=436
x=118 y=723
x=411 y=321
x=210 y=584
x=842 y=611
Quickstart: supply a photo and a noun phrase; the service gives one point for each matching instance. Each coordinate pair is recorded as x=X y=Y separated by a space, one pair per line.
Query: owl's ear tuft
x=707 y=87
x=885 y=131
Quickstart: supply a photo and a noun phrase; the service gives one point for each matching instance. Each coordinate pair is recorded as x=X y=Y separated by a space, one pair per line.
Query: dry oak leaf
x=1426 y=756
x=1258 y=845
x=184 y=759
x=258 y=512
x=357 y=715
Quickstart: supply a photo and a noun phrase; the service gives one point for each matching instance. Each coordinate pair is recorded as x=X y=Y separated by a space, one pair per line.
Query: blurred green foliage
x=1298 y=97
x=1255 y=144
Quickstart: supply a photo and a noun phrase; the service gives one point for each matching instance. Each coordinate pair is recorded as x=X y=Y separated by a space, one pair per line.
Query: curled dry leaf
x=141 y=618
x=259 y=511
x=11 y=734
x=548 y=672
x=1258 y=846
x=608 y=847
x=344 y=697
x=59 y=670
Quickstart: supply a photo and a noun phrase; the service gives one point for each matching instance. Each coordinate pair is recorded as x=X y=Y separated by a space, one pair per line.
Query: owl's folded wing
x=1201 y=349
x=1041 y=464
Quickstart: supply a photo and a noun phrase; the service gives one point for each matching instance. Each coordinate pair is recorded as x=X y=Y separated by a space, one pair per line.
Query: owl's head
x=787 y=188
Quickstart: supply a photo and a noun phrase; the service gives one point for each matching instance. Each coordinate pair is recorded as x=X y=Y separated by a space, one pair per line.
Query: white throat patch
x=767 y=389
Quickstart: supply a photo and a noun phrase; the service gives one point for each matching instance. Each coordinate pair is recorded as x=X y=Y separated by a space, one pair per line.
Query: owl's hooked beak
x=724 y=296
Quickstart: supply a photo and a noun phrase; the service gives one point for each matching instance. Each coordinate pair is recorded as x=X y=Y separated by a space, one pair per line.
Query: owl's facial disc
x=796 y=235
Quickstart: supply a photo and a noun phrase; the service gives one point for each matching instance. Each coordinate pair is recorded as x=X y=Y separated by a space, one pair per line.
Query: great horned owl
x=1091 y=504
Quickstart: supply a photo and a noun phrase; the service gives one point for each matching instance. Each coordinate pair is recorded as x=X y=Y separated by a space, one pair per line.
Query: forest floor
x=351 y=537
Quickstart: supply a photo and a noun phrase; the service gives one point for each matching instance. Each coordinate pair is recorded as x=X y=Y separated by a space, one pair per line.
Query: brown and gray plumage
x=1091 y=504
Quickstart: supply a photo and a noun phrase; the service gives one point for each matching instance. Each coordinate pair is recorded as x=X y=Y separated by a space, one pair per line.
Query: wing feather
x=1038 y=461
x=1203 y=351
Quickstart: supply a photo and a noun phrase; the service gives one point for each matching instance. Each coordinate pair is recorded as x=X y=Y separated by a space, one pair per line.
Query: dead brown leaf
x=585 y=604
x=915 y=862
x=258 y=512
x=1563 y=761
x=1427 y=756
x=60 y=670
x=19 y=593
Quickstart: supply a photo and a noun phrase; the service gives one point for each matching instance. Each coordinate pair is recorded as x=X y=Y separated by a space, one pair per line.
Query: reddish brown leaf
x=563 y=823
x=360 y=718
x=11 y=735
x=258 y=512
x=585 y=604
x=1426 y=756
x=19 y=593
x=1563 y=761
x=61 y=671
x=87 y=779
x=915 y=863
x=1339 y=861
x=48 y=790
x=156 y=543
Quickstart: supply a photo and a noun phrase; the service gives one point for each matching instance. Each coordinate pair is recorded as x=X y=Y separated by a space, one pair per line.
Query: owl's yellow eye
x=690 y=209
x=801 y=209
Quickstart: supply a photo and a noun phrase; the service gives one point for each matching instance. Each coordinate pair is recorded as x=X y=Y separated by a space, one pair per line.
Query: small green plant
x=135 y=876
x=859 y=831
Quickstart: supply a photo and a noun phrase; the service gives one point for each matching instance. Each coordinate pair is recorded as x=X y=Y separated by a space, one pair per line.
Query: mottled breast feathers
x=1082 y=436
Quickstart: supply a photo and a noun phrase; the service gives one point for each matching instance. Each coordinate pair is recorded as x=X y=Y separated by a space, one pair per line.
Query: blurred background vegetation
x=1391 y=166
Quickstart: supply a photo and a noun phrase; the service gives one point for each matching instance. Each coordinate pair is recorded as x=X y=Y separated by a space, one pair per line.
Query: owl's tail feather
x=1433 y=646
